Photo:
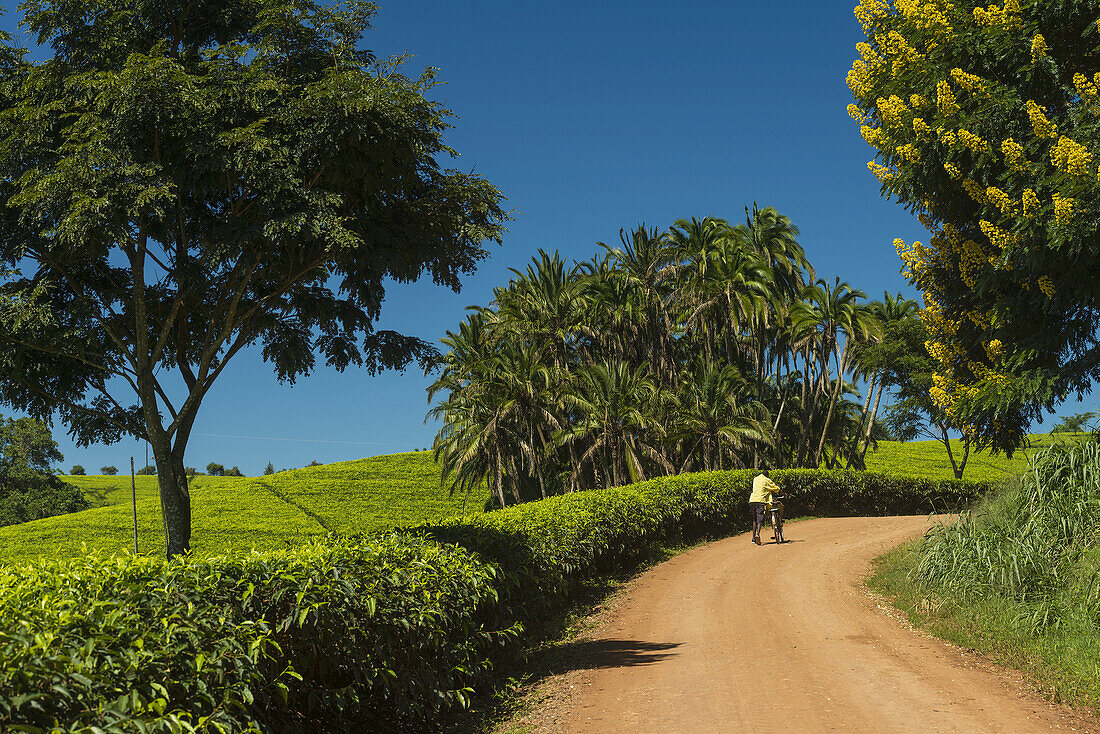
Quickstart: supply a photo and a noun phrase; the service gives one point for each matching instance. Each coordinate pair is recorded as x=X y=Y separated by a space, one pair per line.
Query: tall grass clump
x=1033 y=544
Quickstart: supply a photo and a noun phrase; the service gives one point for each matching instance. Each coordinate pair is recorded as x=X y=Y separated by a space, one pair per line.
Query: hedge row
x=355 y=633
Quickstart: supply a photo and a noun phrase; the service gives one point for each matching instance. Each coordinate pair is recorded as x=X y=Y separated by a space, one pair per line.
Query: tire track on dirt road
x=731 y=637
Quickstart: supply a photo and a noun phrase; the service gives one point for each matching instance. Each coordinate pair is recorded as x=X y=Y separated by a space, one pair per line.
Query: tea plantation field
x=235 y=514
x=928 y=459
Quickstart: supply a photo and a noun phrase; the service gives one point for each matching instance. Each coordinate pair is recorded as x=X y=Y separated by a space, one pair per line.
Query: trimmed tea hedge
x=373 y=632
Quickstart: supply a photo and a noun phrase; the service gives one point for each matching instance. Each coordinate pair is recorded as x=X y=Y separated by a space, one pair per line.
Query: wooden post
x=133 y=495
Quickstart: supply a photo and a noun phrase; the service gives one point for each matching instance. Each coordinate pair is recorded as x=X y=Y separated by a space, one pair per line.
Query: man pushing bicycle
x=764 y=493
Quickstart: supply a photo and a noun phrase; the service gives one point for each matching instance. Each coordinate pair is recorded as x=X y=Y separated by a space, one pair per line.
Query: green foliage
x=376 y=632
x=109 y=471
x=707 y=345
x=182 y=180
x=215 y=470
x=348 y=631
x=984 y=120
x=269 y=469
x=147 y=470
x=77 y=470
x=1075 y=423
x=28 y=488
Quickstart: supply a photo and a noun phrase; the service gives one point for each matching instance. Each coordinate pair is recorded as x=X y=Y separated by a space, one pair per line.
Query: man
x=764 y=491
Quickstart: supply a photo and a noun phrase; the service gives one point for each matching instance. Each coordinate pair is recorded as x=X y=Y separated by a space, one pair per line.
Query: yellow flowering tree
x=985 y=120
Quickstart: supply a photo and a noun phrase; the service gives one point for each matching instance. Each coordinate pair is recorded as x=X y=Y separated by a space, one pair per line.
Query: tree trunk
x=966 y=455
x=175 y=499
x=947 y=442
x=841 y=366
x=871 y=423
x=852 y=456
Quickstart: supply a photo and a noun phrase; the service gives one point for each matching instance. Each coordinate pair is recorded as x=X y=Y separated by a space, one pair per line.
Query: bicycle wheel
x=777 y=529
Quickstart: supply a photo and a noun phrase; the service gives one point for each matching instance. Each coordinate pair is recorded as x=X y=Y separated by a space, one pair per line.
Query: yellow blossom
x=890 y=110
x=945 y=99
x=1039 y=48
x=995 y=16
x=1046 y=285
x=873 y=135
x=1063 y=209
x=952 y=171
x=916 y=101
x=1043 y=127
x=882 y=173
x=1031 y=204
x=1071 y=157
x=855 y=113
x=908 y=152
x=974 y=142
x=920 y=127
x=969 y=82
x=1000 y=238
x=869 y=12
x=1001 y=200
x=975 y=190
x=1014 y=156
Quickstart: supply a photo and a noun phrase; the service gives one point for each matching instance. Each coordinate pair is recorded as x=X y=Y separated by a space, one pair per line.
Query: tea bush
x=379 y=632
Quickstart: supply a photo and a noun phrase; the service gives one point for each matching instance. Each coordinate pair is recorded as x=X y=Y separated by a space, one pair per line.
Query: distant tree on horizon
x=1076 y=423
x=269 y=469
x=215 y=470
x=108 y=470
x=77 y=470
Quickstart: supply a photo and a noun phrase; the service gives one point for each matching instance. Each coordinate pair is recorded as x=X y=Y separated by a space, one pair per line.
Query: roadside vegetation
x=1019 y=576
x=277 y=640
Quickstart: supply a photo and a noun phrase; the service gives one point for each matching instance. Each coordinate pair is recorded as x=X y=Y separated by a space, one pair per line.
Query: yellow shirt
x=762 y=488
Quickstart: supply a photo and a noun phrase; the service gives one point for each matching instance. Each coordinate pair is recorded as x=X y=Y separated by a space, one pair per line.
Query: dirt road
x=732 y=637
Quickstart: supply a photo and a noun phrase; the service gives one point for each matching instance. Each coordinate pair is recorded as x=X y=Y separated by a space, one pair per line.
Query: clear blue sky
x=590 y=116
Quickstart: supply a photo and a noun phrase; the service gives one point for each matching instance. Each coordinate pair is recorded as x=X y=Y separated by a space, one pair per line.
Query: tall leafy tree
x=182 y=180
x=984 y=122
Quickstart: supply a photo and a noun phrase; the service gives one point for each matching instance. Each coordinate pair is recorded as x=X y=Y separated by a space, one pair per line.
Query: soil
x=734 y=637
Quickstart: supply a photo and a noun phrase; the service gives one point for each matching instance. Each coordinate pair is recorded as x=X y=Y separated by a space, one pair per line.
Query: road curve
x=731 y=637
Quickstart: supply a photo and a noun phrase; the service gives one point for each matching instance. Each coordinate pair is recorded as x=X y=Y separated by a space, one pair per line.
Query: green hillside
x=235 y=514
x=929 y=458
x=232 y=514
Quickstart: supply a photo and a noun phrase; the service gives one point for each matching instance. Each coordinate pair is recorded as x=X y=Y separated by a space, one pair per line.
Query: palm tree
x=715 y=419
x=842 y=315
x=615 y=408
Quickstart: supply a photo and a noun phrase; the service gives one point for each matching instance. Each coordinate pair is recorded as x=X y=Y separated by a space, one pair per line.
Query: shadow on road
x=591 y=654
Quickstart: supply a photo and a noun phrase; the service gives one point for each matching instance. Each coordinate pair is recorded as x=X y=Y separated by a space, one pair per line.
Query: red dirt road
x=731 y=637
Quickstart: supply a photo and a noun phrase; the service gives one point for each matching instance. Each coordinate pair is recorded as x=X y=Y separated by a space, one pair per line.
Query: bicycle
x=774 y=511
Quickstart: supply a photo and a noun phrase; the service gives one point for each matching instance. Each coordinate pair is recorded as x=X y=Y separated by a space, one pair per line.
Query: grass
x=1063 y=662
x=1016 y=578
x=235 y=514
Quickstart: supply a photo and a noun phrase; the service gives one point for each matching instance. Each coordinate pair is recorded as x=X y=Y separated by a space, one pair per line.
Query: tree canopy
x=707 y=345
x=985 y=123
x=29 y=489
x=182 y=180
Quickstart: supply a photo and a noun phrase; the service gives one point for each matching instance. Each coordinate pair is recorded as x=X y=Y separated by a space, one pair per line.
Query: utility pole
x=133 y=496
